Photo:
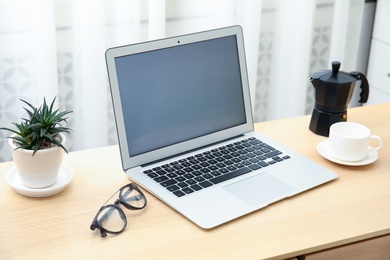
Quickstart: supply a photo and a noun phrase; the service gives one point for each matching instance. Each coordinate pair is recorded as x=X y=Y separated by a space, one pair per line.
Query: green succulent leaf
x=40 y=127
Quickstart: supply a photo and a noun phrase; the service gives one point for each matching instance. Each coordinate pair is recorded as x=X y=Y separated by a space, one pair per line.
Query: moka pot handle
x=364 y=85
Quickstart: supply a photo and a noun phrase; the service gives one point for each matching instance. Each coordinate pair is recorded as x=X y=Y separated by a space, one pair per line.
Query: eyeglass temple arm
x=94 y=225
x=97 y=224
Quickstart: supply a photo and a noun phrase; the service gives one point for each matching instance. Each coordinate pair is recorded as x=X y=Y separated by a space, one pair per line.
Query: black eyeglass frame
x=96 y=224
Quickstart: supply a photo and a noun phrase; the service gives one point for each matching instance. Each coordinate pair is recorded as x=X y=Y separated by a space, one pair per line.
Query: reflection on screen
x=180 y=93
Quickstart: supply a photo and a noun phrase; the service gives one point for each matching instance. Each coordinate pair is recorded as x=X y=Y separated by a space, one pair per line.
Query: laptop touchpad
x=259 y=189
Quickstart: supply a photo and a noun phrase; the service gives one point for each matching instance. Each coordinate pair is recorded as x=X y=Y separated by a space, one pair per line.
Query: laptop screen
x=179 y=93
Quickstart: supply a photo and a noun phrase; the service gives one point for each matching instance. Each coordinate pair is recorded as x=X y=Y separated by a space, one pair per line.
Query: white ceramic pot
x=41 y=170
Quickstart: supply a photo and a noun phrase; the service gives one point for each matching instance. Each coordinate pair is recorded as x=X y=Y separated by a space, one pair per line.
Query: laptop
x=185 y=129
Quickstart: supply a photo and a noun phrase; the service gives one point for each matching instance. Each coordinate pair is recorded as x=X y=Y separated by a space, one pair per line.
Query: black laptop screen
x=179 y=93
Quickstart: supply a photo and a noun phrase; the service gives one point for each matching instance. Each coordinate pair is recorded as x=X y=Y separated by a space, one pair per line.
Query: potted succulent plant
x=37 y=144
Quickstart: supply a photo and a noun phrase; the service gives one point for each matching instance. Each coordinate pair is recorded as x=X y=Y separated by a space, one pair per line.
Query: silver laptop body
x=182 y=99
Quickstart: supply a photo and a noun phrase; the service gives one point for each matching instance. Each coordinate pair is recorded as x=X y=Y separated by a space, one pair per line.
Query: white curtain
x=54 y=48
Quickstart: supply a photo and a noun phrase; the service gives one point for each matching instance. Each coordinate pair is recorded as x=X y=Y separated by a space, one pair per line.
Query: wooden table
x=352 y=208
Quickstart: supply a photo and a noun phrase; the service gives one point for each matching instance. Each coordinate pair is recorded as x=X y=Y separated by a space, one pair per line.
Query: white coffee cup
x=350 y=141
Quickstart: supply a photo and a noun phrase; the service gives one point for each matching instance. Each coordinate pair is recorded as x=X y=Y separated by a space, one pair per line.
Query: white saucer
x=323 y=149
x=64 y=177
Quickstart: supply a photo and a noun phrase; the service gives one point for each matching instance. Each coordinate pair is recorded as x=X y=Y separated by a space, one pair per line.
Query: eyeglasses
x=111 y=218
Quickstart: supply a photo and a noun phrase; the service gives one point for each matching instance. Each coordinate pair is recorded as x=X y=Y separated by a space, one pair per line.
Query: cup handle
x=379 y=139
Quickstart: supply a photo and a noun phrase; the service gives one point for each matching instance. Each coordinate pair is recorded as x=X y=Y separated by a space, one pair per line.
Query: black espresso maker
x=333 y=91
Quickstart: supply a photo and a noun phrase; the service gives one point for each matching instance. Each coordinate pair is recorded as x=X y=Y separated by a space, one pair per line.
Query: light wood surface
x=352 y=208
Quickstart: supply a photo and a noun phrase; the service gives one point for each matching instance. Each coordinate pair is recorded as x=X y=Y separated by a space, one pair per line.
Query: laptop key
x=223 y=170
x=204 y=164
x=254 y=166
x=229 y=162
x=188 y=176
x=173 y=188
x=180 y=172
x=196 y=187
x=221 y=165
x=231 y=168
x=161 y=178
x=254 y=141
x=272 y=154
x=182 y=184
x=261 y=157
x=247 y=162
x=230 y=175
x=169 y=169
x=180 y=179
x=205 y=170
x=188 y=169
x=187 y=190
x=178 y=166
x=199 y=178
x=186 y=164
x=179 y=193
x=191 y=182
x=263 y=164
x=197 y=173
x=239 y=165
x=277 y=158
x=205 y=184
x=196 y=167
x=215 y=173
x=152 y=175
x=202 y=159
x=213 y=168
x=207 y=176
x=168 y=183
x=160 y=172
x=171 y=175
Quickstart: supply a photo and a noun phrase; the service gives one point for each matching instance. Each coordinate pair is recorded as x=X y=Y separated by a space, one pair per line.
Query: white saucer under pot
x=65 y=176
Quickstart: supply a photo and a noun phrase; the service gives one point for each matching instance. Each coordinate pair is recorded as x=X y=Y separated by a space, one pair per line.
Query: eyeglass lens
x=132 y=198
x=111 y=217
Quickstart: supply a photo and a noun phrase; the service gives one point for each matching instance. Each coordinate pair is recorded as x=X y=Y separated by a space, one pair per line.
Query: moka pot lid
x=333 y=76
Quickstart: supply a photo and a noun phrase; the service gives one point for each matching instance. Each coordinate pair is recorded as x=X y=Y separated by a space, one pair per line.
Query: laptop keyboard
x=206 y=169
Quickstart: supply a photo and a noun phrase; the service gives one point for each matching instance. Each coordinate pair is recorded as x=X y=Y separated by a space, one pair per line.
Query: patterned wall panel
x=318 y=60
x=16 y=81
x=67 y=90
